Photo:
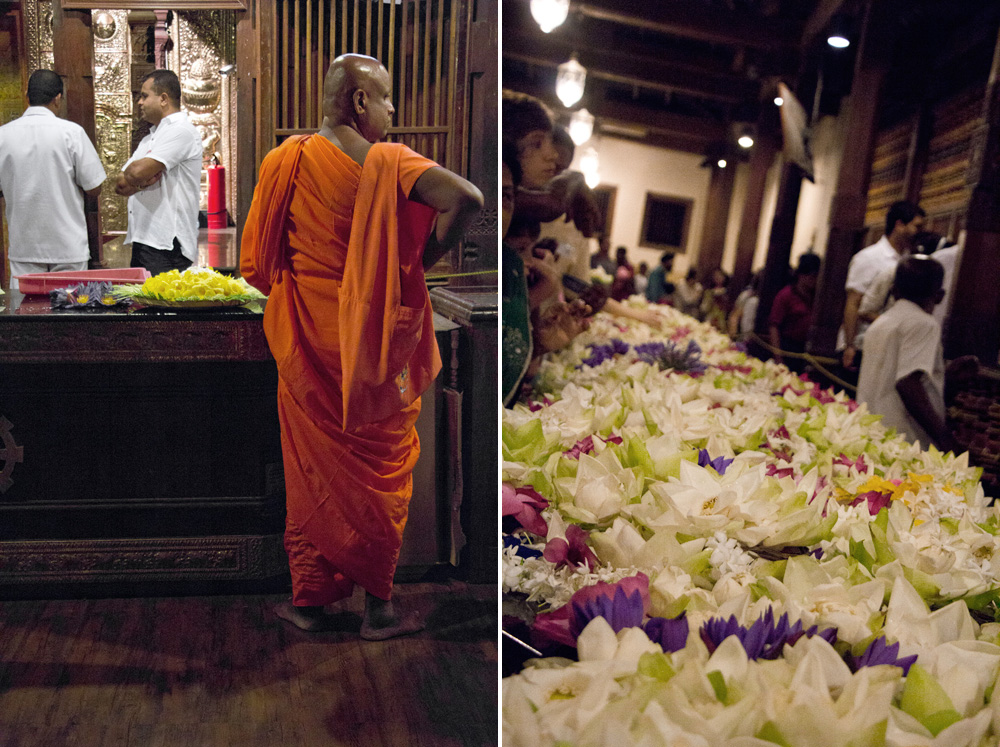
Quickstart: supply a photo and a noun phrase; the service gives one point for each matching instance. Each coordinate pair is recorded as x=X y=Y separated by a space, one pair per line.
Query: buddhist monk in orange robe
x=338 y=235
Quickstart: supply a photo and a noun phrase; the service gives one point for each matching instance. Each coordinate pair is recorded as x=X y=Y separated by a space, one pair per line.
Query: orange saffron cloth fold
x=338 y=250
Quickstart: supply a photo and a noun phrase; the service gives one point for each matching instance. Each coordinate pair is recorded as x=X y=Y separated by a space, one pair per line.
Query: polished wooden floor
x=220 y=671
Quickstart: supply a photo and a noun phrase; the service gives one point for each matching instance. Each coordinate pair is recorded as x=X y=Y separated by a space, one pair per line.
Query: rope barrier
x=460 y=275
x=817 y=361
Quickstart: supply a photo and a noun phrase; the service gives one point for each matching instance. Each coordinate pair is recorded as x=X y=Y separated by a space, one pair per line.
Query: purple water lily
x=623 y=610
x=765 y=638
x=525 y=504
x=671 y=356
x=672 y=634
x=601 y=353
x=879 y=653
x=719 y=464
x=586 y=446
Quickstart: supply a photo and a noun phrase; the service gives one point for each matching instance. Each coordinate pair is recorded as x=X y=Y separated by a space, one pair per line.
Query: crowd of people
x=896 y=290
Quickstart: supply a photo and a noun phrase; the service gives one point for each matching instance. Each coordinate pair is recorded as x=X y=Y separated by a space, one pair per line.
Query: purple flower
x=672 y=634
x=876 y=501
x=623 y=610
x=879 y=653
x=619 y=347
x=669 y=356
x=719 y=464
x=573 y=550
x=764 y=639
x=583 y=446
x=525 y=505
x=650 y=350
x=563 y=625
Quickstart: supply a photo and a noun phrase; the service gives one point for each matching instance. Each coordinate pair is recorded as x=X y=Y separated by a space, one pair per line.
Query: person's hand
x=848 y=356
x=543 y=277
x=648 y=316
x=584 y=211
x=962 y=370
x=560 y=323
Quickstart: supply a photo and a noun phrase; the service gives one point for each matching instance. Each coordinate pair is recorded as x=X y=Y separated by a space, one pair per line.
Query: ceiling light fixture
x=570 y=80
x=778 y=101
x=590 y=167
x=838 y=37
x=745 y=140
x=722 y=163
x=549 y=14
x=581 y=126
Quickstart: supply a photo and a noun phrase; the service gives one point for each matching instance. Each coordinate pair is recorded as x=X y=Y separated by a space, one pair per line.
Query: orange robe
x=338 y=249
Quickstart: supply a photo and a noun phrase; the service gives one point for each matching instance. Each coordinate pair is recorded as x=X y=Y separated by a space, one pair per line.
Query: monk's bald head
x=356 y=93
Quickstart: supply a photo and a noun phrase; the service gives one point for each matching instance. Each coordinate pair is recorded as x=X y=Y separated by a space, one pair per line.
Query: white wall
x=636 y=169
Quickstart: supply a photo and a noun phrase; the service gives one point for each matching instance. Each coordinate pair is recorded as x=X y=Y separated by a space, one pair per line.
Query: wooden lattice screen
x=420 y=42
x=888 y=171
x=945 y=190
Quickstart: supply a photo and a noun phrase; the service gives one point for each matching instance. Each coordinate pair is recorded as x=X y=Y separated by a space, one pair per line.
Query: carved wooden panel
x=130 y=560
x=133 y=340
x=160 y=4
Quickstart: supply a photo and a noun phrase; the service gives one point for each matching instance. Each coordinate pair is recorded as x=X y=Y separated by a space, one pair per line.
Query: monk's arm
x=459 y=202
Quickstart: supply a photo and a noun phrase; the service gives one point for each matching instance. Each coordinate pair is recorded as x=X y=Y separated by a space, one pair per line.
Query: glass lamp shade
x=570 y=81
x=745 y=141
x=581 y=126
x=549 y=13
x=590 y=167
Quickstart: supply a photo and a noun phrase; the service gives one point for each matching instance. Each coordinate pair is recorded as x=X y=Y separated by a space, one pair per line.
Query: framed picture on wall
x=665 y=221
x=605 y=197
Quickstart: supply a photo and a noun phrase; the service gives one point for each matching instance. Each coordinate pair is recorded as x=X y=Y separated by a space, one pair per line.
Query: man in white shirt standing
x=47 y=165
x=162 y=180
x=903 y=221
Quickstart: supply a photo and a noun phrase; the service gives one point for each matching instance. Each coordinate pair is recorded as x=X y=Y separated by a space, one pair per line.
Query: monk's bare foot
x=381 y=621
x=309 y=619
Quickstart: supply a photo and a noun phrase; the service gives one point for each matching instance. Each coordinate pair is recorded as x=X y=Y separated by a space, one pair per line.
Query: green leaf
x=925 y=700
x=718 y=683
x=656 y=666
x=949 y=523
x=769 y=732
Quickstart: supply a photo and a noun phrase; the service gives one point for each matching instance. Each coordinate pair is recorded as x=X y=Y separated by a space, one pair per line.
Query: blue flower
x=509 y=540
x=601 y=353
x=764 y=639
x=879 y=653
x=672 y=634
x=719 y=464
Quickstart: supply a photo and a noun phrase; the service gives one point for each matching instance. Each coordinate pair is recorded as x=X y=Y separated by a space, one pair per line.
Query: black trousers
x=159 y=260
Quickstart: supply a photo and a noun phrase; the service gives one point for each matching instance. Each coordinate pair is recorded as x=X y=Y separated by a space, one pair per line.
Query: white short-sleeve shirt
x=865 y=266
x=44 y=163
x=169 y=208
x=903 y=340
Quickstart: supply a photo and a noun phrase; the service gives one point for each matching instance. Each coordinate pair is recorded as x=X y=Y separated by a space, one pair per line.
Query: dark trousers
x=159 y=260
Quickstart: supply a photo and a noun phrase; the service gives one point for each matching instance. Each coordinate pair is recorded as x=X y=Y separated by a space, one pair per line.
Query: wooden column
x=779 y=248
x=847 y=212
x=73 y=47
x=713 y=235
x=746 y=244
x=248 y=148
x=974 y=326
x=916 y=158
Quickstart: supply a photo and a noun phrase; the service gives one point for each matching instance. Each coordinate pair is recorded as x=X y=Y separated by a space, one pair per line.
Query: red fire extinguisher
x=217 y=216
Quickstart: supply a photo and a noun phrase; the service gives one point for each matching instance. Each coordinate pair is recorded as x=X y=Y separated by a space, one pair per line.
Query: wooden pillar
x=916 y=157
x=974 y=326
x=713 y=235
x=248 y=106
x=779 y=248
x=847 y=212
x=73 y=46
x=746 y=244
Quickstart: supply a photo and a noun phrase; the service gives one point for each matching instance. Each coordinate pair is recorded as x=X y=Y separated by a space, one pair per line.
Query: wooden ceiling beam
x=620 y=67
x=819 y=21
x=690 y=134
x=694 y=21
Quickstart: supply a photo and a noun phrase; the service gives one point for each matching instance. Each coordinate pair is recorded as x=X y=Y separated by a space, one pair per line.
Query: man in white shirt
x=162 y=180
x=903 y=373
x=47 y=165
x=903 y=221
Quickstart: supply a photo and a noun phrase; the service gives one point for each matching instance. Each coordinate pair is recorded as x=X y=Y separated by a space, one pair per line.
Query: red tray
x=43 y=282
